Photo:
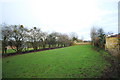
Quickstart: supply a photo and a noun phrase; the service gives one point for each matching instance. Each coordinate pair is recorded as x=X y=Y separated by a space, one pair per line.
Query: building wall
x=112 y=45
x=111 y=42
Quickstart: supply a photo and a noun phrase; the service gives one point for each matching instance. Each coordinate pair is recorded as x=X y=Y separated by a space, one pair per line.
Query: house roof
x=116 y=35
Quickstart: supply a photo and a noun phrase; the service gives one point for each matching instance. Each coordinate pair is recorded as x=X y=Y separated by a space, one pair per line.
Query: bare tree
x=6 y=31
x=44 y=39
x=35 y=36
x=17 y=37
x=64 y=40
x=93 y=35
x=73 y=36
x=55 y=35
x=51 y=40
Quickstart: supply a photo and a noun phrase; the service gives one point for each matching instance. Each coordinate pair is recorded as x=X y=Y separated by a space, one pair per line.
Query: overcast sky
x=62 y=15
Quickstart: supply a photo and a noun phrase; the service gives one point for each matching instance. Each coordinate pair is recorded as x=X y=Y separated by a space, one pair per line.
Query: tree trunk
x=49 y=46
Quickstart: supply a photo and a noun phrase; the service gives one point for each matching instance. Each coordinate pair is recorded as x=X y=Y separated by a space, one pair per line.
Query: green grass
x=12 y=51
x=70 y=62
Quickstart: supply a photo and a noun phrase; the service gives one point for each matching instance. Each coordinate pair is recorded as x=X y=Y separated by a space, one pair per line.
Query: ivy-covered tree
x=101 y=36
x=98 y=37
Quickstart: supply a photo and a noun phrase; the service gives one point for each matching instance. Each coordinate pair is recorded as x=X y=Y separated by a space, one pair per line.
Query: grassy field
x=70 y=62
x=13 y=51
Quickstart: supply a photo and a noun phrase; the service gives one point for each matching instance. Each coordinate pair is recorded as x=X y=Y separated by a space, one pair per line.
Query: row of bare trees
x=20 y=38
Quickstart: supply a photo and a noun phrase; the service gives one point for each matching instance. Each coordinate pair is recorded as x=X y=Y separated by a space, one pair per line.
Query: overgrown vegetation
x=98 y=40
x=112 y=71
